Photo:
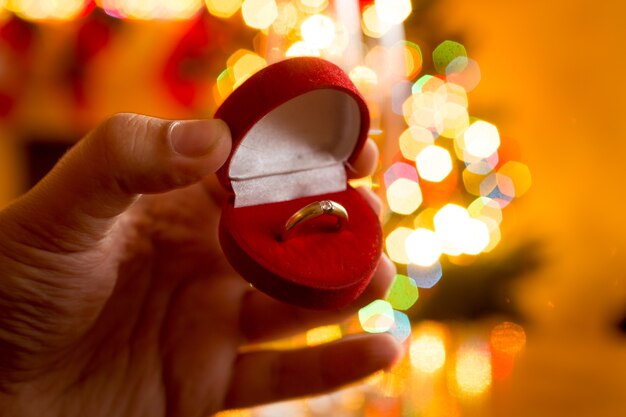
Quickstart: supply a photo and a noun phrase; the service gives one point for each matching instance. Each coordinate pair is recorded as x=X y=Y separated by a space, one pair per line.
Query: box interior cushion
x=297 y=149
x=318 y=266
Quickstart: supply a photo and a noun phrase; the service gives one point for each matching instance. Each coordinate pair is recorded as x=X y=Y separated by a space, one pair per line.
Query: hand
x=115 y=304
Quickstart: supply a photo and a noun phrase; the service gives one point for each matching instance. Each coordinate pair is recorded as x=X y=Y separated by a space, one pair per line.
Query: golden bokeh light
x=414 y=140
x=404 y=196
x=481 y=139
x=475 y=237
x=450 y=225
x=519 y=174
x=508 y=338
x=410 y=59
x=259 y=14
x=395 y=245
x=245 y=63
x=393 y=11
x=47 y=10
x=318 y=31
x=428 y=350
x=372 y=25
x=323 y=334
x=312 y=6
x=364 y=78
x=287 y=19
x=423 y=247
x=223 y=8
x=301 y=48
x=433 y=163
x=473 y=368
x=455 y=120
x=485 y=207
x=153 y=9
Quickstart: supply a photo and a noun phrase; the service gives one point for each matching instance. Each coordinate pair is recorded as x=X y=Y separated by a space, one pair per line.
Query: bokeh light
x=287 y=19
x=312 y=6
x=403 y=292
x=318 y=31
x=364 y=78
x=48 y=9
x=401 y=328
x=425 y=276
x=433 y=163
x=464 y=72
x=376 y=317
x=508 y=338
x=473 y=367
x=395 y=245
x=481 y=139
x=450 y=225
x=259 y=14
x=244 y=63
x=428 y=350
x=413 y=140
x=411 y=59
x=323 y=334
x=446 y=52
x=499 y=188
x=372 y=25
x=301 y=48
x=519 y=174
x=393 y=11
x=423 y=247
x=153 y=9
x=404 y=196
x=223 y=8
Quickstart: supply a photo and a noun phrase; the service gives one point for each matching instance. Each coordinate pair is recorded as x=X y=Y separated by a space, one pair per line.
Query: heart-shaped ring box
x=296 y=126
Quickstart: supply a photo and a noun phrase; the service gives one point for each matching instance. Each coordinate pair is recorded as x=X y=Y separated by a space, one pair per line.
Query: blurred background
x=536 y=326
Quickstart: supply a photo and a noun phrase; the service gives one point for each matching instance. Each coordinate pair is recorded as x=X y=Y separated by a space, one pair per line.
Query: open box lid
x=294 y=124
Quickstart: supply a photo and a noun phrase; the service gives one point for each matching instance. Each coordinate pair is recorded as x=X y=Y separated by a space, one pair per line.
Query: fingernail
x=195 y=138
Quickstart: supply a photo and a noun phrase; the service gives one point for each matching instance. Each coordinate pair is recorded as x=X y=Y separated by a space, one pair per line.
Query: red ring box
x=295 y=126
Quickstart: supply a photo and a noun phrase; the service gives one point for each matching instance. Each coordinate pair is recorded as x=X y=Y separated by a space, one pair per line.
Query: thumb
x=76 y=204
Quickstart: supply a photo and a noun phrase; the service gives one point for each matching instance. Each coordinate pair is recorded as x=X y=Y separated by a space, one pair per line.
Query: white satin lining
x=297 y=150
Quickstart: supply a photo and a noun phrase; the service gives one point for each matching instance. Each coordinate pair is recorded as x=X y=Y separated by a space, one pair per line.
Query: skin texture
x=116 y=304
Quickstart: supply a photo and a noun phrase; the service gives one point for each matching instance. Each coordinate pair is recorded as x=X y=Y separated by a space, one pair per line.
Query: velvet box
x=296 y=125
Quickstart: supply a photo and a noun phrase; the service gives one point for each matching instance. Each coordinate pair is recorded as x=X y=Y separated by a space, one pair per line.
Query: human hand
x=116 y=304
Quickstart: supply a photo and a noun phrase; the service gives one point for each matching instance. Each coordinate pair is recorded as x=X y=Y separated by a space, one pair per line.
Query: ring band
x=317 y=209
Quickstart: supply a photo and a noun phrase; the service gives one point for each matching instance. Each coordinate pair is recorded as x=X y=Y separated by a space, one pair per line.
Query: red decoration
x=320 y=267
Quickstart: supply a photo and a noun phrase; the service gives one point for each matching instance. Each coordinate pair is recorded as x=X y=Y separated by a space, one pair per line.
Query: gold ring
x=316 y=209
